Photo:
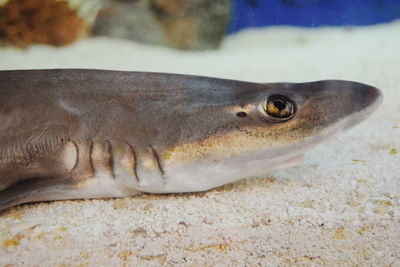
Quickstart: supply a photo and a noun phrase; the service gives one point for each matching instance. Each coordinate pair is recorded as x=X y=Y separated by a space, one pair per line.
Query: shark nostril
x=241 y=114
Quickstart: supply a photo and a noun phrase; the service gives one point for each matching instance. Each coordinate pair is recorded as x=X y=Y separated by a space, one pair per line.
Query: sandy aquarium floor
x=339 y=208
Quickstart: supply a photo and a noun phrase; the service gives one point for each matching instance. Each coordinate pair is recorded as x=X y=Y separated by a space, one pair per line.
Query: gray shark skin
x=75 y=133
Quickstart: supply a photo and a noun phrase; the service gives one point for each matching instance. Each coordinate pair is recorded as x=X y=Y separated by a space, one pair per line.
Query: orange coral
x=23 y=22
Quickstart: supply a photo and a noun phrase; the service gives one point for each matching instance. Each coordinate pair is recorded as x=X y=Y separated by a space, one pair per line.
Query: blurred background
x=182 y=24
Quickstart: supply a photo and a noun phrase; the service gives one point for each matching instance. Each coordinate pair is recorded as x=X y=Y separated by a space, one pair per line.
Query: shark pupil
x=279 y=104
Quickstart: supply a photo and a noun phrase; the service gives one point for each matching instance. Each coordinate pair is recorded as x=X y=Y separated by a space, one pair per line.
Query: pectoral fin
x=34 y=189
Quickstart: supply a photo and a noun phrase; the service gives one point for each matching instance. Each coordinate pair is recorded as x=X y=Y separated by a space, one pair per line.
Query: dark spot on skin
x=241 y=114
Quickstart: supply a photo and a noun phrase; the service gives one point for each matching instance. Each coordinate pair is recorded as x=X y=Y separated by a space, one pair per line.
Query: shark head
x=257 y=128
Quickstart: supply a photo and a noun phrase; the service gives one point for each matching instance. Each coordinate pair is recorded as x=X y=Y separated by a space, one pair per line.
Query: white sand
x=341 y=207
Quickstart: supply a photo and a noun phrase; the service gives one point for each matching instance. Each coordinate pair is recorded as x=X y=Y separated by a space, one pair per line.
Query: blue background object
x=312 y=13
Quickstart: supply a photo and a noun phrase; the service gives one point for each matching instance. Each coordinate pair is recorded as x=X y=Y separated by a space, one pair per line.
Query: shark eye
x=279 y=107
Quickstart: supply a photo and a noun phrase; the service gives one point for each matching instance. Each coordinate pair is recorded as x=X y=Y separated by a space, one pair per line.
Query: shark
x=86 y=133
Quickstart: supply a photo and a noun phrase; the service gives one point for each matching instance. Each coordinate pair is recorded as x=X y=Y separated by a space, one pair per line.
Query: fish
x=87 y=133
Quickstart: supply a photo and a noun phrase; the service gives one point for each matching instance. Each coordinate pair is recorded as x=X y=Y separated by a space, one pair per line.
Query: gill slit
x=90 y=157
x=134 y=164
x=77 y=154
x=158 y=162
x=110 y=161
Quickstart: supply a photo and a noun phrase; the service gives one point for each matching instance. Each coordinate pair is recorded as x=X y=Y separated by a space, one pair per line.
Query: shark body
x=74 y=133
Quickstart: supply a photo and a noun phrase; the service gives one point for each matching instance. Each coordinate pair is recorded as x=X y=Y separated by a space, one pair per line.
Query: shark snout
x=366 y=100
x=371 y=97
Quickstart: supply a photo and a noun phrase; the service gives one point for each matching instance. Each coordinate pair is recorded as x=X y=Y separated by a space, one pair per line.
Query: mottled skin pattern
x=68 y=134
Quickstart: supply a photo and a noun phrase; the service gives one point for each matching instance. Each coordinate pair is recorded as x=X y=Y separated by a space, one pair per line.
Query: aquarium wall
x=312 y=13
